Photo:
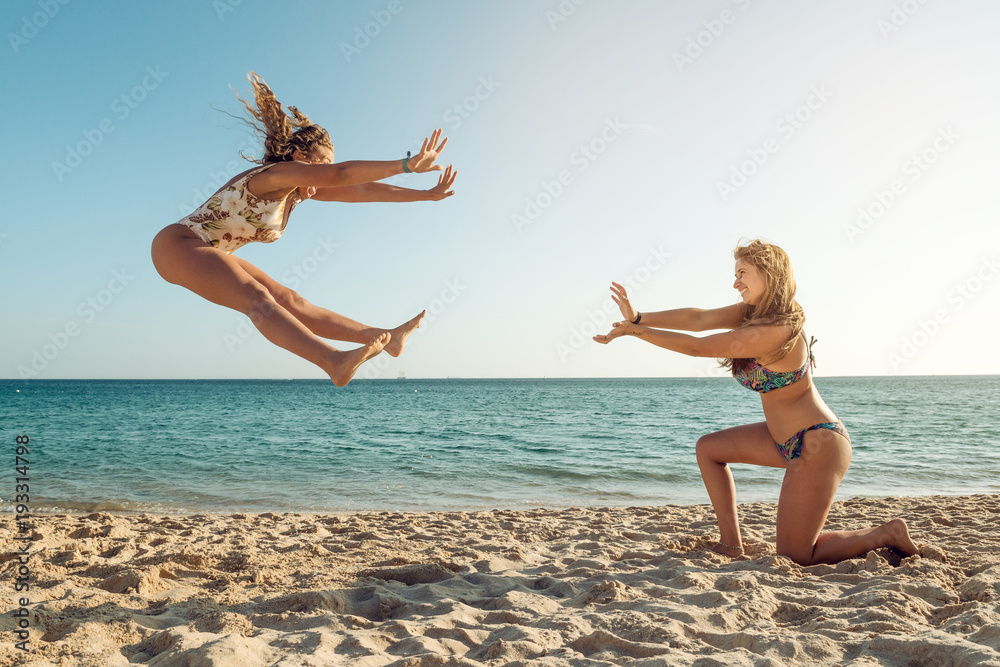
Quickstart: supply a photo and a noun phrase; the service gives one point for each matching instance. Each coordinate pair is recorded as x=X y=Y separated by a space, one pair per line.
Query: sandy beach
x=577 y=586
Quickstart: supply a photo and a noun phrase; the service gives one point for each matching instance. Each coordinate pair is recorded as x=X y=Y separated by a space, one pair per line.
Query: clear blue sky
x=633 y=141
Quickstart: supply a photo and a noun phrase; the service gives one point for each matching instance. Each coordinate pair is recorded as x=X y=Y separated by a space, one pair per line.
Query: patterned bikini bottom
x=792 y=448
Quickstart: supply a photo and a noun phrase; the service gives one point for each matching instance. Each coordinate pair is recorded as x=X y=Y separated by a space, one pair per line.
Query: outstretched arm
x=384 y=192
x=694 y=319
x=752 y=341
x=285 y=176
x=684 y=319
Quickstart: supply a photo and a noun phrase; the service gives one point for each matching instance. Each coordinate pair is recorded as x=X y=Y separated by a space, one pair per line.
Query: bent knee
x=799 y=554
x=257 y=301
x=287 y=298
x=705 y=448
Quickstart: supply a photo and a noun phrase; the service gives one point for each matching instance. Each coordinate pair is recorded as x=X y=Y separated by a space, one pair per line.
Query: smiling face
x=749 y=282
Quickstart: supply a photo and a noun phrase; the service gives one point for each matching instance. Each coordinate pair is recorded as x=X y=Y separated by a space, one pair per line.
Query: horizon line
x=450 y=377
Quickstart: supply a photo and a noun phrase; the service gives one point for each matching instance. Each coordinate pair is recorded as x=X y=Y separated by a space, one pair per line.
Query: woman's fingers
x=604 y=339
x=429 y=151
x=448 y=177
x=620 y=298
x=434 y=143
x=436 y=137
x=443 y=187
x=445 y=181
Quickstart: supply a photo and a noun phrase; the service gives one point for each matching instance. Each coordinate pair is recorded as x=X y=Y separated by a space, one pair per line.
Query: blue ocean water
x=407 y=445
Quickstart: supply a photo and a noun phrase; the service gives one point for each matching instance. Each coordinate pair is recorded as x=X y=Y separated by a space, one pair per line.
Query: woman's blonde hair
x=282 y=133
x=777 y=306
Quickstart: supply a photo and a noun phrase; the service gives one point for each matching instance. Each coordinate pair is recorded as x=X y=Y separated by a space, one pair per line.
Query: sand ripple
x=578 y=586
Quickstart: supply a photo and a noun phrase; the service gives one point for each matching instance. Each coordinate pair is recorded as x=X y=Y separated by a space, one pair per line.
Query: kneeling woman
x=768 y=353
x=255 y=205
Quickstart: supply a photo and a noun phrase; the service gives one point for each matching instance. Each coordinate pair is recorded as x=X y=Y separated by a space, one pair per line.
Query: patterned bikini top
x=760 y=379
x=235 y=216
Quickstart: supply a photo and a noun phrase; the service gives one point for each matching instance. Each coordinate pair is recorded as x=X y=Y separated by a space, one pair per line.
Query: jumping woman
x=196 y=252
x=767 y=352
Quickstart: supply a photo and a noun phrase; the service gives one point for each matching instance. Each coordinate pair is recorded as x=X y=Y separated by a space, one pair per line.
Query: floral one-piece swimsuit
x=234 y=216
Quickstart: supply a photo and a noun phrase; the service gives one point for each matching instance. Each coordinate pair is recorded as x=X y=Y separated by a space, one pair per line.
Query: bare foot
x=899 y=538
x=727 y=550
x=401 y=333
x=346 y=364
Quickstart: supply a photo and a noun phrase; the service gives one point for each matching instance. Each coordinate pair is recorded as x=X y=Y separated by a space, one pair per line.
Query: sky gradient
x=628 y=141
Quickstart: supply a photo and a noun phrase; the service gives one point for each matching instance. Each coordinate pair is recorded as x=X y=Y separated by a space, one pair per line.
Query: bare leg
x=401 y=333
x=328 y=324
x=835 y=546
x=183 y=259
x=807 y=493
x=742 y=444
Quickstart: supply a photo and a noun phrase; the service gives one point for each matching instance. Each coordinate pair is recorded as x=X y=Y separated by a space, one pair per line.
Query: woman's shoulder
x=777 y=333
x=786 y=360
x=274 y=180
x=243 y=174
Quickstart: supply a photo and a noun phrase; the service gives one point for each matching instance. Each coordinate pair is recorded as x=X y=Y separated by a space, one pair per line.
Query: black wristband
x=637 y=319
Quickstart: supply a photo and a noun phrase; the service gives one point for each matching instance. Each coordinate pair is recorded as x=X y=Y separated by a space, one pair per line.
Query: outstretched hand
x=443 y=188
x=618 y=329
x=429 y=151
x=621 y=298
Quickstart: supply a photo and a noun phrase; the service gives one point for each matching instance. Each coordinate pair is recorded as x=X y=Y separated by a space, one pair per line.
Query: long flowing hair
x=282 y=133
x=778 y=305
